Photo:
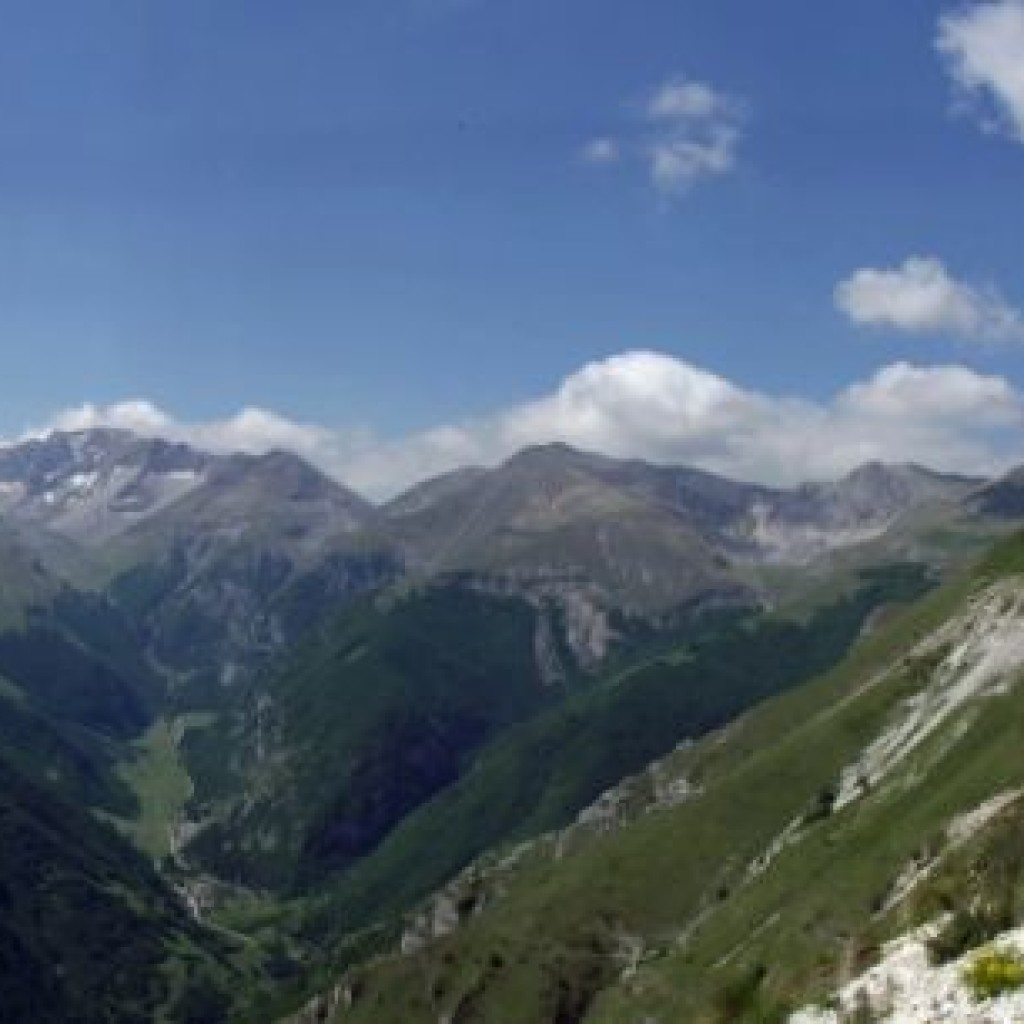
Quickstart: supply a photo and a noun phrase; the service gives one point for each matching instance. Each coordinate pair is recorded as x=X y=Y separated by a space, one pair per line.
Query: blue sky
x=379 y=220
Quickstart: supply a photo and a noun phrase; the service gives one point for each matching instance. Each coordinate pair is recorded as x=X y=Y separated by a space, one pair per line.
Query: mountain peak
x=898 y=483
x=282 y=475
x=92 y=484
x=878 y=470
x=554 y=453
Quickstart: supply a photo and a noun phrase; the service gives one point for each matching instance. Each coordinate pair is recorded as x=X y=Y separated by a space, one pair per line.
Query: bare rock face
x=545 y=650
x=798 y=525
x=588 y=631
x=461 y=899
x=91 y=485
x=326 y=1006
x=557 y=522
x=94 y=485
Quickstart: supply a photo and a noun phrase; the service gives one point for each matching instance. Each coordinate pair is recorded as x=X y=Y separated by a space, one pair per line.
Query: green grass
x=157 y=776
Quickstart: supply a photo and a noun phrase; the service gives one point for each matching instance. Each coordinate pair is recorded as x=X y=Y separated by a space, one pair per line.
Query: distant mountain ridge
x=594 y=532
x=93 y=485
x=221 y=536
x=751 y=520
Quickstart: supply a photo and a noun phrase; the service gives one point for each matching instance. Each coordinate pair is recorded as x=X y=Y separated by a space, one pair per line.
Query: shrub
x=994 y=971
x=822 y=805
x=968 y=929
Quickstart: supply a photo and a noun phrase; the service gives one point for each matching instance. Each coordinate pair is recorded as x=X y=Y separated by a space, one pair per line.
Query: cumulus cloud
x=922 y=296
x=249 y=430
x=695 y=135
x=141 y=417
x=685 y=132
x=983 y=48
x=654 y=406
x=679 y=99
x=948 y=396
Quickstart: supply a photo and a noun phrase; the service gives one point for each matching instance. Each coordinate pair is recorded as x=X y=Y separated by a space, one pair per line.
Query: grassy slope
x=24 y=580
x=155 y=774
x=363 y=722
x=552 y=947
x=539 y=774
x=74 y=694
x=79 y=765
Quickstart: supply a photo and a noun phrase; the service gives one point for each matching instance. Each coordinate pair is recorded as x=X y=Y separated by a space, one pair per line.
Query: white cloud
x=629 y=402
x=257 y=430
x=651 y=405
x=681 y=99
x=250 y=430
x=983 y=47
x=922 y=296
x=601 y=151
x=685 y=132
x=679 y=161
x=139 y=416
x=951 y=396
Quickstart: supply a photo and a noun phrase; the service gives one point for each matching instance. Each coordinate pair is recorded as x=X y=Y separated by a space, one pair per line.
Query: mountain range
x=288 y=715
x=586 y=532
